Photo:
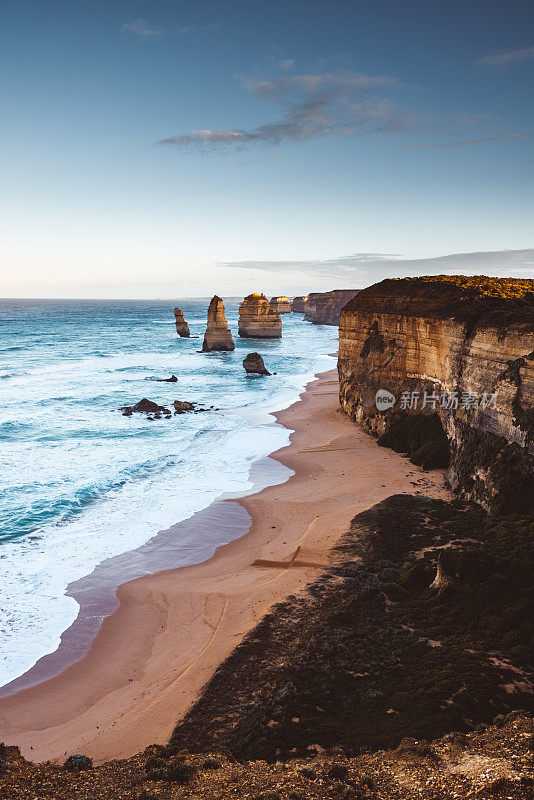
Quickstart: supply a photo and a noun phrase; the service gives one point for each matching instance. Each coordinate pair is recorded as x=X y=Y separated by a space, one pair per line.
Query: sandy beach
x=152 y=656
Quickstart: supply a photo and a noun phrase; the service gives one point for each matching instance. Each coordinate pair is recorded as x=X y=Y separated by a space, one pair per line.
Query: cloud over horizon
x=362 y=269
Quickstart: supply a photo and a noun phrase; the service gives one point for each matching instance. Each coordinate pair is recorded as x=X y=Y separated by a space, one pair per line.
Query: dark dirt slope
x=370 y=653
x=491 y=764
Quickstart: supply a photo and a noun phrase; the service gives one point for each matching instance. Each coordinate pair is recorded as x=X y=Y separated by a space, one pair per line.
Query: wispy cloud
x=286 y=64
x=507 y=58
x=140 y=27
x=314 y=106
x=361 y=269
x=345 y=104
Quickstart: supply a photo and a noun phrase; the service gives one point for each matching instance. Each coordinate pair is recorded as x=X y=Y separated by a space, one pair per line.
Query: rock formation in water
x=146 y=406
x=218 y=335
x=324 y=308
x=182 y=328
x=253 y=364
x=457 y=353
x=258 y=319
x=281 y=304
x=298 y=304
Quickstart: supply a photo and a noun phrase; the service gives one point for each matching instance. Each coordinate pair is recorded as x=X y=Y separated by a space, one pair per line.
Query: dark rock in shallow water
x=181 y=406
x=145 y=406
x=172 y=379
x=253 y=364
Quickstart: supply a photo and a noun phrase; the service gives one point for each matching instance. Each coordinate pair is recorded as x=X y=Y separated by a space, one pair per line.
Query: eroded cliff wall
x=460 y=349
x=324 y=308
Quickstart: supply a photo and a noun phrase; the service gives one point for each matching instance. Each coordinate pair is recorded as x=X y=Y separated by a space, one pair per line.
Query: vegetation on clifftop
x=476 y=300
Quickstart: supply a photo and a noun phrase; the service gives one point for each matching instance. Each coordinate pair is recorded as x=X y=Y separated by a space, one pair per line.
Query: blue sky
x=169 y=149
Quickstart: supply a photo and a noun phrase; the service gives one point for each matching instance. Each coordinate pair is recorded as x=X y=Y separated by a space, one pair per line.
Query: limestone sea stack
x=253 y=364
x=281 y=304
x=218 y=335
x=182 y=328
x=258 y=319
x=298 y=304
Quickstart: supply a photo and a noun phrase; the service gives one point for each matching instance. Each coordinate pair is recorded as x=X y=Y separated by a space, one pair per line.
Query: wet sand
x=151 y=657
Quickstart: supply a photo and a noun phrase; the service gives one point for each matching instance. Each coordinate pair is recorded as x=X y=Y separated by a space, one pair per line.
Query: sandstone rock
x=324 y=308
x=451 y=337
x=257 y=318
x=253 y=363
x=281 y=304
x=218 y=335
x=182 y=328
x=298 y=304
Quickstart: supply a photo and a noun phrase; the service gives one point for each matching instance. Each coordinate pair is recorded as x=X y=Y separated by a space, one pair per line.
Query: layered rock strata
x=298 y=304
x=281 y=304
x=324 y=308
x=253 y=364
x=218 y=335
x=182 y=328
x=460 y=349
x=258 y=319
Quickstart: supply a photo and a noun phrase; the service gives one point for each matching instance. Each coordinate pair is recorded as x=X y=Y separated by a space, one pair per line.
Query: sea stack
x=298 y=304
x=258 y=319
x=182 y=328
x=218 y=335
x=254 y=365
x=281 y=304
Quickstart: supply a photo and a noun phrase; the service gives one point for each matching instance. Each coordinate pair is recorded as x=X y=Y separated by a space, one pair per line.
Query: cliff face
x=258 y=319
x=324 y=308
x=468 y=343
x=218 y=335
x=182 y=328
x=281 y=304
x=298 y=304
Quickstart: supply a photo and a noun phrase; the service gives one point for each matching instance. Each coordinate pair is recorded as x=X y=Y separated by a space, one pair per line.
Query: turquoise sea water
x=79 y=482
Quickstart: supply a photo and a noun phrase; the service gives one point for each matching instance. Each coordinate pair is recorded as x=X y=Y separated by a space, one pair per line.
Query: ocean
x=81 y=483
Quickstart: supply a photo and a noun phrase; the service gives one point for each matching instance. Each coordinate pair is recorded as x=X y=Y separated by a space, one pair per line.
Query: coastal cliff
x=182 y=328
x=298 y=304
x=457 y=355
x=218 y=335
x=281 y=304
x=258 y=319
x=324 y=308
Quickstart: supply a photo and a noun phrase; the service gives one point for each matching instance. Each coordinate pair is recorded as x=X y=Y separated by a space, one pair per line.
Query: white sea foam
x=82 y=483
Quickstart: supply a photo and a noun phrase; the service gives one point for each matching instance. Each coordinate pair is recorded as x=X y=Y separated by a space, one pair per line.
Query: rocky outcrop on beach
x=324 y=308
x=182 y=328
x=457 y=356
x=258 y=319
x=253 y=364
x=298 y=304
x=281 y=304
x=218 y=335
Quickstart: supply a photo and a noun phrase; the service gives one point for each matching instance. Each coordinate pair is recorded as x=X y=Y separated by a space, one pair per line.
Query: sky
x=160 y=148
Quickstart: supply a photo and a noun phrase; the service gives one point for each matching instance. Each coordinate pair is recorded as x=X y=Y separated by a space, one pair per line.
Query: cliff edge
x=454 y=356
